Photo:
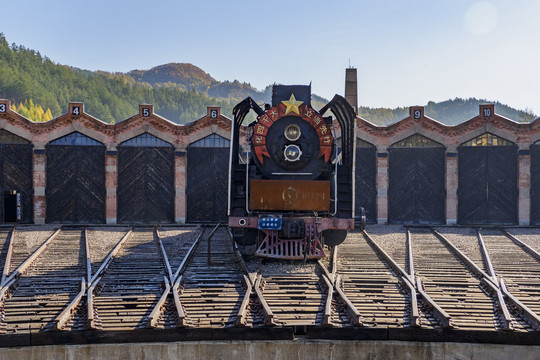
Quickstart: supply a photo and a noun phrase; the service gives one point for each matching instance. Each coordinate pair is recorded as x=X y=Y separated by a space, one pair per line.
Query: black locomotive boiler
x=291 y=184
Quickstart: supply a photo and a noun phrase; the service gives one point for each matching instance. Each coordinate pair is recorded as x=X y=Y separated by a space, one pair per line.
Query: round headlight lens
x=292 y=132
x=292 y=153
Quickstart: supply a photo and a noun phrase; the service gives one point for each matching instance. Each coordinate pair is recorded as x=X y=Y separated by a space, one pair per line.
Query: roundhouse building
x=147 y=169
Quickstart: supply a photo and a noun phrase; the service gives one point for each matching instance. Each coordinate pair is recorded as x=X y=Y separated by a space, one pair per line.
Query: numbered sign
x=146 y=112
x=417 y=114
x=3 y=108
x=213 y=114
x=76 y=110
x=487 y=112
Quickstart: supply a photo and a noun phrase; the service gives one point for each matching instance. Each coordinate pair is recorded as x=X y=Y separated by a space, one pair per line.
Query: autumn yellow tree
x=33 y=112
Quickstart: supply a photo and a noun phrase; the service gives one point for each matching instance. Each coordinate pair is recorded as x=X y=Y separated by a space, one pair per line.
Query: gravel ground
x=392 y=238
x=27 y=240
x=530 y=236
x=466 y=240
x=101 y=241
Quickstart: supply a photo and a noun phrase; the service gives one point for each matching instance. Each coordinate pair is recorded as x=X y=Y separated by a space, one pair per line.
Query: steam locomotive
x=291 y=184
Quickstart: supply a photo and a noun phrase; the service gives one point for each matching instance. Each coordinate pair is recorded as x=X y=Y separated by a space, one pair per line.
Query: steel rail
x=507 y=319
x=353 y=312
x=439 y=312
x=26 y=264
x=473 y=267
x=527 y=313
x=406 y=278
x=535 y=254
x=158 y=308
x=7 y=263
x=179 y=309
x=330 y=280
x=164 y=256
x=156 y=313
x=241 y=317
x=70 y=310
x=90 y=305
x=88 y=261
x=105 y=264
x=410 y=254
x=268 y=314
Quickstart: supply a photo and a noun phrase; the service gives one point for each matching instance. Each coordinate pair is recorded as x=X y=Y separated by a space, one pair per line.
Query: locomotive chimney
x=351 y=88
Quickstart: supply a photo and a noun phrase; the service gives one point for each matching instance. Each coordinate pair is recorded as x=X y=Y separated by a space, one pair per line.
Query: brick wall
x=146 y=121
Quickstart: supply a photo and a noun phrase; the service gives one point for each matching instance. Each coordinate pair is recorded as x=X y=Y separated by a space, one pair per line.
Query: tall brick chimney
x=351 y=88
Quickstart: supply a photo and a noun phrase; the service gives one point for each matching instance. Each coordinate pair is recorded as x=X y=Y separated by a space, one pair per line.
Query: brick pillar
x=524 y=185
x=451 y=187
x=180 y=163
x=111 y=184
x=382 y=187
x=39 y=182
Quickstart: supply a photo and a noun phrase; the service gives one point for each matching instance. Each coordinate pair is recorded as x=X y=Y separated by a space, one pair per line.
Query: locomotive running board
x=310 y=247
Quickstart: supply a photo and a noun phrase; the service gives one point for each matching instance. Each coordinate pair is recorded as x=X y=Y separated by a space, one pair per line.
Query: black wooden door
x=535 y=184
x=145 y=184
x=365 y=182
x=206 y=189
x=416 y=189
x=75 y=191
x=16 y=175
x=488 y=188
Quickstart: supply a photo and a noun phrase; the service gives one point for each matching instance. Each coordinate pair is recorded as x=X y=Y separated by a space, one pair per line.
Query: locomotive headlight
x=292 y=132
x=292 y=153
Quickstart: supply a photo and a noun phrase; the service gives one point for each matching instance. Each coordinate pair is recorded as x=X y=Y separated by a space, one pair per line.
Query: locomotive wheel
x=334 y=237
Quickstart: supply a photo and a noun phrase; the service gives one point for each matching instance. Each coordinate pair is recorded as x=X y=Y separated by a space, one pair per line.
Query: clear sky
x=407 y=52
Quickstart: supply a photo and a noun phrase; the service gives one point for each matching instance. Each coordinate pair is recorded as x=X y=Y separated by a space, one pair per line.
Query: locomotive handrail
x=247 y=171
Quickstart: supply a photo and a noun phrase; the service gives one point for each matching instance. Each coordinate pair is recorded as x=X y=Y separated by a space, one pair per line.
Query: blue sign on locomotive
x=291 y=188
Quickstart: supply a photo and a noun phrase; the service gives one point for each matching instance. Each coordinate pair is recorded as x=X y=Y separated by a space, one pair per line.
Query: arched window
x=147 y=140
x=211 y=141
x=76 y=138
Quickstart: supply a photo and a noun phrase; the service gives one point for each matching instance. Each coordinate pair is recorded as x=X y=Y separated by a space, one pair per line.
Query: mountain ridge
x=180 y=92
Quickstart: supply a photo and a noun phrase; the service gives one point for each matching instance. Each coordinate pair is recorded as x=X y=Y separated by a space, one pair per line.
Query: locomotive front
x=291 y=190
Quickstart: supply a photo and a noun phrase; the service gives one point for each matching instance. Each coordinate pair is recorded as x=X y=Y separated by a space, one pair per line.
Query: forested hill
x=449 y=112
x=41 y=90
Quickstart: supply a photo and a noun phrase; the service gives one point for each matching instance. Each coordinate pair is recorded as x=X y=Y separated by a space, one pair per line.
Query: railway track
x=46 y=284
x=371 y=285
x=212 y=288
x=126 y=292
x=458 y=291
x=392 y=277
x=515 y=268
x=295 y=293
